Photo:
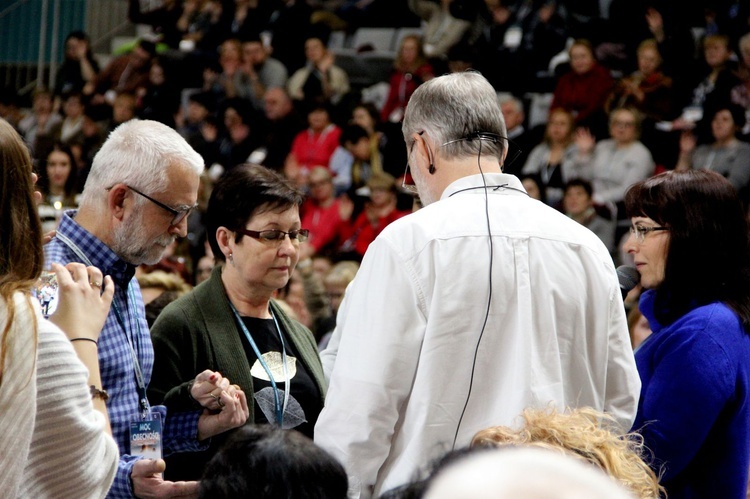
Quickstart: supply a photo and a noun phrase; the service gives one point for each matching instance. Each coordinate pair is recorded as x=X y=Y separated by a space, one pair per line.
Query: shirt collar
x=492 y=180
x=99 y=254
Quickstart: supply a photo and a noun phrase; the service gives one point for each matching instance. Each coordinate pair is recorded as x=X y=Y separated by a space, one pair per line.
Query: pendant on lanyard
x=280 y=408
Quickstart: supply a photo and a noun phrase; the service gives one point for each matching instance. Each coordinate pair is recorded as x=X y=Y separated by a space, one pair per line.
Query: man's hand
x=148 y=482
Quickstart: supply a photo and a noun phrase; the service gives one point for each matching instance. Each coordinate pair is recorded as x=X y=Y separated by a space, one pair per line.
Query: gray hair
x=452 y=107
x=504 y=97
x=522 y=472
x=138 y=153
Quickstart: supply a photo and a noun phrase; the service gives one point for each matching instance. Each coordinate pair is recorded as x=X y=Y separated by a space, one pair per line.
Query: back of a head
x=20 y=229
x=342 y=273
x=457 y=106
x=585 y=434
x=267 y=463
x=518 y=473
x=139 y=153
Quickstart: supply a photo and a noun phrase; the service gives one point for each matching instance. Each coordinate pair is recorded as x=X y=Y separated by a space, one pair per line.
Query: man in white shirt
x=481 y=304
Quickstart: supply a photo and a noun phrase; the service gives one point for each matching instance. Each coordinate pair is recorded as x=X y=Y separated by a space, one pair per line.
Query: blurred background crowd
x=597 y=95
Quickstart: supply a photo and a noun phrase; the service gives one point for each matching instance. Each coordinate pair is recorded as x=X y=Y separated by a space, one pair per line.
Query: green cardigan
x=198 y=332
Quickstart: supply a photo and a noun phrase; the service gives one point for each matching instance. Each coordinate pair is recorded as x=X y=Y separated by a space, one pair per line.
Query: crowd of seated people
x=258 y=81
x=238 y=78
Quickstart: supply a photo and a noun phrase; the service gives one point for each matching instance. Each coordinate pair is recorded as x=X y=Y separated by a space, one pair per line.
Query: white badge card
x=145 y=437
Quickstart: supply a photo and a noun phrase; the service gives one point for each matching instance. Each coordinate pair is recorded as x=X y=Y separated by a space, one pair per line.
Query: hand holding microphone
x=628 y=278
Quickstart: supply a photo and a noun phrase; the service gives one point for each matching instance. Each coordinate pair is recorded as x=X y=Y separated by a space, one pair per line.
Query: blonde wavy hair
x=586 y=434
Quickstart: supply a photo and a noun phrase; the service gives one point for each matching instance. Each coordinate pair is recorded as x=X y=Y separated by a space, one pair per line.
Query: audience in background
x=585 y=88
x=379 y=211
x=551 y=160
x=522 y=140
x=128 y=73
x=410 y=70
x=442 y=30
x=57 y=183
x=726 y=155
x=159 y=289
x=614 y=164
x=578 y=204
x=79 y=65
x=260 y=72
x=314 y=146
x=320 y=79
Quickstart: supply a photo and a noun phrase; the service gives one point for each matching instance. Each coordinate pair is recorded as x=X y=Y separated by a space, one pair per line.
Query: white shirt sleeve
x=374 y=366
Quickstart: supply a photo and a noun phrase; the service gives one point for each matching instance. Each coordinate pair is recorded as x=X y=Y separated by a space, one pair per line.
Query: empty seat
x=380 y=39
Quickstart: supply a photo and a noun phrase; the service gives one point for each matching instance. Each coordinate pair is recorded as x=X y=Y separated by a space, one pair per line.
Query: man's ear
x=116 y=200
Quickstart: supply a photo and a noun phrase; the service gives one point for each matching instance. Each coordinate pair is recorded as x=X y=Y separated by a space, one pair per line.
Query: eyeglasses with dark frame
x=177 y=215
x=640 y=232
x=275 y=235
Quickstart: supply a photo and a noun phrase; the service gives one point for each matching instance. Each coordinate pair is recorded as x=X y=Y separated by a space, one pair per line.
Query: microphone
x=628 y=277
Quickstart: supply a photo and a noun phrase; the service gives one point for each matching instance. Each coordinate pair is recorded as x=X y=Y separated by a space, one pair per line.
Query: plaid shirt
x=115 y=356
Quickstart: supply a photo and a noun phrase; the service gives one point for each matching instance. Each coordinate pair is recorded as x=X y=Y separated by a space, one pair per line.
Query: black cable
x=489 y=296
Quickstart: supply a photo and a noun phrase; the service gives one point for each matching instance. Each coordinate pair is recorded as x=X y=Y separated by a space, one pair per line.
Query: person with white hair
x=466 y=312
x=522 y=472
x=142 y=186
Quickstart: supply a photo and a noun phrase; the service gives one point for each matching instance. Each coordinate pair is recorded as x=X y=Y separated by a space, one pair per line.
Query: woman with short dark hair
x=231 y=324
x=689 y=240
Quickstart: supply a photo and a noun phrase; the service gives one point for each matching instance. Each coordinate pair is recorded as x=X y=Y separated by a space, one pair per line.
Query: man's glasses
x=640 y=232
x=177 y=215
x=275 y=235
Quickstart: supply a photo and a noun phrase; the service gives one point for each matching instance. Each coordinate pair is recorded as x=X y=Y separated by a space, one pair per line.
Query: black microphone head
x=628 y=277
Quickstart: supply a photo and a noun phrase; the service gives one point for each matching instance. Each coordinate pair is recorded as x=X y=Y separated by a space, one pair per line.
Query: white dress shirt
x=400 y=360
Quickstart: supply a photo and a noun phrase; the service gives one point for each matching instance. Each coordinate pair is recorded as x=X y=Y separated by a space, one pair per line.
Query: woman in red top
x=410 y=70
x=379 y=211
x=584 y=90
x=313 y=146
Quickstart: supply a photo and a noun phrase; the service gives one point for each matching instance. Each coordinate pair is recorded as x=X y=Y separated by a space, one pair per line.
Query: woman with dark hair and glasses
x=689 y=240
x=231 y=324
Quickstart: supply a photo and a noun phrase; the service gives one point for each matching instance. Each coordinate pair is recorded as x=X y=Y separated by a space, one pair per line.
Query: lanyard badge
x=146 y=436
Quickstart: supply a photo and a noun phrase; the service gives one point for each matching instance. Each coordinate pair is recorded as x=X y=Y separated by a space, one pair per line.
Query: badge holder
x=146 y=436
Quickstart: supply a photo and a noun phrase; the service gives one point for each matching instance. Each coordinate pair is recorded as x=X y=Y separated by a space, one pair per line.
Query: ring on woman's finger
x=96 y=284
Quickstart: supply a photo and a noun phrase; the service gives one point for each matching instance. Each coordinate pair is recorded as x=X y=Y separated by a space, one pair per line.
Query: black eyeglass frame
x=177 y=215
x=276 y=235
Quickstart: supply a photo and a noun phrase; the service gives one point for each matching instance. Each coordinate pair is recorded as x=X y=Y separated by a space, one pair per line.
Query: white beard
x=130 y=245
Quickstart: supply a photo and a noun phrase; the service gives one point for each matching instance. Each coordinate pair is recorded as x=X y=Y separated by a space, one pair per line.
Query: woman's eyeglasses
x=275 y=235
x=640 y=232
